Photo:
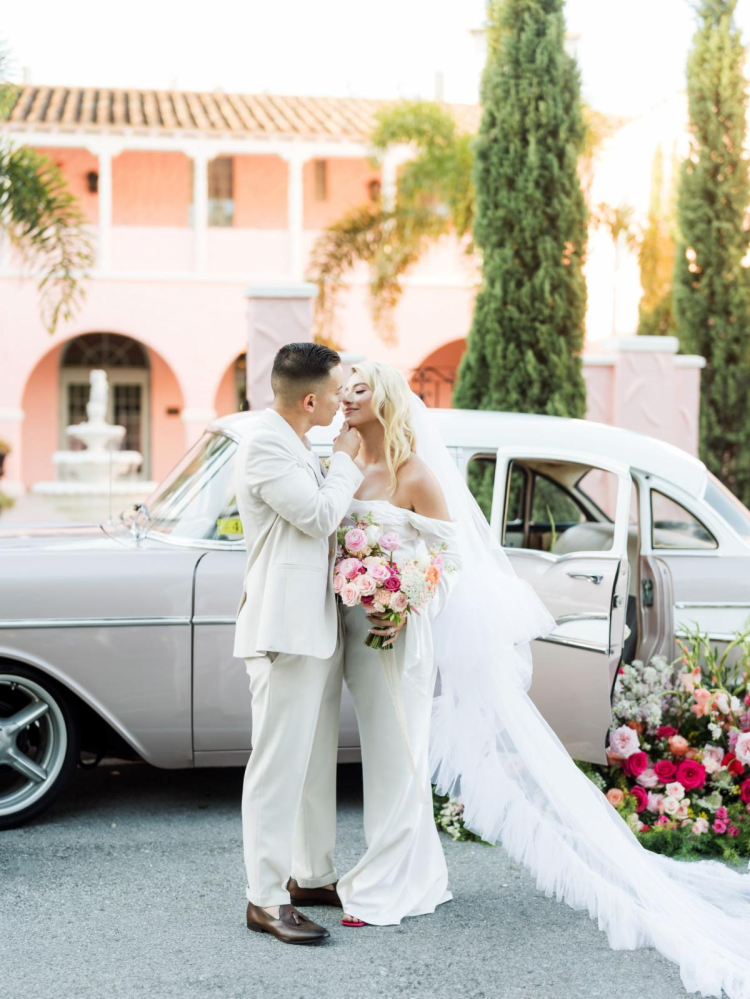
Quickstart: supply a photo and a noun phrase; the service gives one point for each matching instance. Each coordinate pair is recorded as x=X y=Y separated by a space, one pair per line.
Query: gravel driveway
x=133 y=886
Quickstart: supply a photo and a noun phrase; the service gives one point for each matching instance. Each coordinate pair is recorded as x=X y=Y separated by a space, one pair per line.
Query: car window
x=726 y=504
x=480 y=478
x=561 y=517
x=672 y=526
x=197 y=499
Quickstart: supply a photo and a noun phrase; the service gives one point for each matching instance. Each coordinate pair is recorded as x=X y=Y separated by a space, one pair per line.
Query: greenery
x=710 y=282
x=656 y=257
x=448 y=817
x=41 y=218
x=523 y=349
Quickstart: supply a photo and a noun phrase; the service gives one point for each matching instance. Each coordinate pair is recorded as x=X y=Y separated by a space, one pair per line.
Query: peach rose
x=615 y=796
x=678 y=745
x=350 y=594
x=338 y=583
x=432 y=576
x=366 y=585
x=382 y=599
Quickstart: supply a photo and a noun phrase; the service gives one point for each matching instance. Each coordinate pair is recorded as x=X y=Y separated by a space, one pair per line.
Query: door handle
x=594 y=577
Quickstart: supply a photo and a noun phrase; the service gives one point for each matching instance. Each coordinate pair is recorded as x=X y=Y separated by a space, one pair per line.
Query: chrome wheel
x=33 y=742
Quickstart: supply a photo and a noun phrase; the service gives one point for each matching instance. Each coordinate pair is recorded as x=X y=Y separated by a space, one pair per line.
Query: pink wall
x=260 y=192
x=40 y=428
x=75 y=164
x=167 y=430
x=150 y=188
x=226 y=394
x=347 y=181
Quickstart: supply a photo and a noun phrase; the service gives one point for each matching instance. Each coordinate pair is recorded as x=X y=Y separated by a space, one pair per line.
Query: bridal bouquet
x=365 y=573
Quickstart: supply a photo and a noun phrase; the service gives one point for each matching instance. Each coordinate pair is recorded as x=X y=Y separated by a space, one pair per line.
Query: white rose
x=671 y=805
x=735 y=704
x=372 y=533
x=675 y=790
x=682 y=811
x=722 y=703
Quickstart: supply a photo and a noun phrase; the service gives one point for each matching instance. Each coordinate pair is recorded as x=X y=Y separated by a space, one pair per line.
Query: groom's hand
x=383 y=626
x=347 y=441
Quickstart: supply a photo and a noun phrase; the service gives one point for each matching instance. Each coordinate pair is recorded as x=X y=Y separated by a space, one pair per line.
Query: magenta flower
x=691 y=775
x=641 y=797
x=722 y=814
x=665 y=770
x=733 y=831
x=393 y=583
x=719 y=826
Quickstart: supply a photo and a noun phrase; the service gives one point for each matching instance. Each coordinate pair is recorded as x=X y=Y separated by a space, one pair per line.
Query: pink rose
x=742 y=747
x=379 y=572
x=678 y=745
x=350 y=595
x=722 y=814
x=662 y=821
x=641 y=798
x=367 y=601
x=691 y=775
x=355 y=540
x=399 y=602
x=665 y=770
x=733 y=831
x=635 y=763
x=700 y=826
x=671 y=805
x=719 y=826
x=338 y=583
x=366 y=585
x=655 y=802
x=349 y=567
x=648 y=778
x=623 y=742
x=390 y=542
x=393 y=583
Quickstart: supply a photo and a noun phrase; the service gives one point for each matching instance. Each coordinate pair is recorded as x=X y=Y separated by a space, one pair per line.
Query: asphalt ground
x=133 y=886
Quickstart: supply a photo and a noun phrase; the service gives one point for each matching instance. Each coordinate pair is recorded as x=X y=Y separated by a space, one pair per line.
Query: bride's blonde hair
x=391 y=404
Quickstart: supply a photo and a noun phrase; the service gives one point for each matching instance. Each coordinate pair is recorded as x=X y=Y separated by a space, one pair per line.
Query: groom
x=289 y=634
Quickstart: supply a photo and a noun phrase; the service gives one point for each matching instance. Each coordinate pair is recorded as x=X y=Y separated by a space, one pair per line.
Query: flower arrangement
x=366 y=573
x=679 y=749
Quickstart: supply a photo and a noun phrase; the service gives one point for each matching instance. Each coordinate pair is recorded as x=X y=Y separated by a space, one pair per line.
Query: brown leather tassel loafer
x=291 y=927
x=312 y=896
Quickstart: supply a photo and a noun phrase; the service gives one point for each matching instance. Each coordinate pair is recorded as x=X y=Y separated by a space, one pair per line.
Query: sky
x=631 y=52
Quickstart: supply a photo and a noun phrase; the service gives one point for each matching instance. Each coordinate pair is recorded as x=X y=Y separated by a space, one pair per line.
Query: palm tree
x=41 y=218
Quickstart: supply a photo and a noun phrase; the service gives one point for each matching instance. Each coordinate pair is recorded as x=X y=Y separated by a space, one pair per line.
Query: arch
x=41 y=402
x=433 y=379
x=232 y=388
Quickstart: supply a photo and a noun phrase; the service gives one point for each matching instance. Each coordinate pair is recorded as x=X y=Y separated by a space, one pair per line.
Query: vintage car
x=116 y=639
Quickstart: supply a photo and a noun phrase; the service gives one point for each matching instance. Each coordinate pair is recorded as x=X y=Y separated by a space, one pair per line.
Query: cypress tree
x=710 y=285
x=523 y=349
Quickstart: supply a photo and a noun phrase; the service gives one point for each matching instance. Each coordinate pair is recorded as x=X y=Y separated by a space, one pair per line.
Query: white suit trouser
x=289 y=790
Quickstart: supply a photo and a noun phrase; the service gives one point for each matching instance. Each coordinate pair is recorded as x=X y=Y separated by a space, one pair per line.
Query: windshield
x=197 y=499
x=726 y=504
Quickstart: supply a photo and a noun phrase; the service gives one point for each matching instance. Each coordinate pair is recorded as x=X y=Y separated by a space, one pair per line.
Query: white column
x=295 y=212
x=200 y=209
x=196 y=419
x=104 y=188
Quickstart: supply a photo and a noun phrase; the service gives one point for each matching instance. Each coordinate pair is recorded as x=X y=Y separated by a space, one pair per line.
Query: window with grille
x=127 y=412
x=221 y=191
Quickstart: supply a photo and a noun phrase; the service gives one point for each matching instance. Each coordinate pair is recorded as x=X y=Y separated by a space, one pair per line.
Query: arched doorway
x=232 y=390
x=126 y=363
x=434 y=378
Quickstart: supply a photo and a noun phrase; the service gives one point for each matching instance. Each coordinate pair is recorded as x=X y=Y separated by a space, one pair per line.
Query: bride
x=481 y=739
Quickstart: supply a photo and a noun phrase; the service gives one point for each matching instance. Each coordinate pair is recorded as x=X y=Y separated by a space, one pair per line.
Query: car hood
x=56 y=537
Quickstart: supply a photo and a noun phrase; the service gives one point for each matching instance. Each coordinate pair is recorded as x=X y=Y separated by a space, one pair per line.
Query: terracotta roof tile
x=216 y=113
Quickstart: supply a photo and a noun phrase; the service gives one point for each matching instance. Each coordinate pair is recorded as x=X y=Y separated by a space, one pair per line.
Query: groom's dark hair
x=298 y=368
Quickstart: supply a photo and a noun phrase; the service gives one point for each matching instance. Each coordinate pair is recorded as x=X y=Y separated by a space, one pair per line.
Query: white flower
x=634 y=822
x=682 y=811
x=735 y=704
x=715 y=730
x=655 y=802
x=671 y=805
x=722 y=703
x=372 y=533
x=675 y=790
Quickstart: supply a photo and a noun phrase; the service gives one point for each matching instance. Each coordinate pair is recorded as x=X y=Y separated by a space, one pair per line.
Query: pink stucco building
x=192 y=199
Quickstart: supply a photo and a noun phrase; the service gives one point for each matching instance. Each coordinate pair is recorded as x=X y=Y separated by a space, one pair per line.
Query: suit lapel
x=278 y=423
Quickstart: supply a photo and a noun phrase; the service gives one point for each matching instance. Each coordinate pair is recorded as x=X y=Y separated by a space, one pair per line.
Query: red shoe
x=353 y=922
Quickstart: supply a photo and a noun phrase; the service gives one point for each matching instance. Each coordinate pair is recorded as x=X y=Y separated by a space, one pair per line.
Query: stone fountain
x=85 y=478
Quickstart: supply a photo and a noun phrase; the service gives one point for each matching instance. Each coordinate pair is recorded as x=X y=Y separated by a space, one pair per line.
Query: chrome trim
x=208 y=619
x=576 y=644
x=713 y=636
x=194 y=542
x=595 y=577
x=712 y=603
x=92 y=622
x=595 y=616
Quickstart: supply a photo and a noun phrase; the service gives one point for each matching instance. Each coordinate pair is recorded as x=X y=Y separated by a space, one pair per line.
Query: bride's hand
x=385 y=627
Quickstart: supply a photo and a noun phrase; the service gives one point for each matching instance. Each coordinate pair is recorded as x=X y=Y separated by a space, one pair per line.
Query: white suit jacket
x=290 y=512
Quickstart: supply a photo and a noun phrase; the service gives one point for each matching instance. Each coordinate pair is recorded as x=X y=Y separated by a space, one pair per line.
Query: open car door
x=564 y=522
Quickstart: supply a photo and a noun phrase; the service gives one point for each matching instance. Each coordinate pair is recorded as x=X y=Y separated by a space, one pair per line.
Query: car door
x=563 y=519
x=222 y=720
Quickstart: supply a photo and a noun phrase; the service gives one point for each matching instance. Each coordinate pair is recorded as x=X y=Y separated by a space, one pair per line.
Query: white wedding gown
x=490 y=747
x=403 y=871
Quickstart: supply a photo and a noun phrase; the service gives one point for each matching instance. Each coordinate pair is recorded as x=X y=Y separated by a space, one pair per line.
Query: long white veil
x=491 y=747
